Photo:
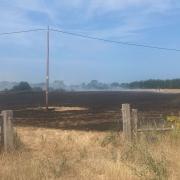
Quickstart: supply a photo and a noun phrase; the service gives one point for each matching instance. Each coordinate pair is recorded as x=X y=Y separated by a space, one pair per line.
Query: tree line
x=95 y=85
x=154 y=84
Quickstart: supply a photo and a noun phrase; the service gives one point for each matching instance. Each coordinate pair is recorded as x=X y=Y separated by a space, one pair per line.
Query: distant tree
x=83 y=85
x=5 y=90
x=58 y=85
x=115 y=85
x=37 y=89
x=94 y=84
x=22 y=86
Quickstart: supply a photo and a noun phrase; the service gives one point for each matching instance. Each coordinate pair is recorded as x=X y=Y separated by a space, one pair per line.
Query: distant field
x=94 y=110
x=171 y=91
x=95 y=100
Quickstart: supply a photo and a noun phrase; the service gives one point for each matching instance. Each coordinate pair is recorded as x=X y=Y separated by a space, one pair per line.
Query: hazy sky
x=75 y=60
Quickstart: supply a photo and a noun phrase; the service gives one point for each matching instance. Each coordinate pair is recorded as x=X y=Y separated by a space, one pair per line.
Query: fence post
x=126 y=116
x=8 y=134
x=134 y=120
x=1 y=130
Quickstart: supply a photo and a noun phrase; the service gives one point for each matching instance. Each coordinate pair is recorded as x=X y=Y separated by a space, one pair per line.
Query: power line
x=93 y=38
x=23 y=31
x=115 y=42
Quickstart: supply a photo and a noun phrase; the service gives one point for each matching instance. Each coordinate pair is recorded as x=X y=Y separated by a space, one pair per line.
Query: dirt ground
x=99 y=111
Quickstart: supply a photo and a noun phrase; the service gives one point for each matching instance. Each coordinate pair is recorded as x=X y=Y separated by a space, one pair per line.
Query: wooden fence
x=130 y=119
x=6 y=130
x=130 y=123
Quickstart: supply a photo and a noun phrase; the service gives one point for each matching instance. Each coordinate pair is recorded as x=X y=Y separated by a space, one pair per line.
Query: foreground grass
x=57 y=154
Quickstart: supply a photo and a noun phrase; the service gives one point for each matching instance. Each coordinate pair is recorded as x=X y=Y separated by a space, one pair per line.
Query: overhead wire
x=23 y=31
x=93 y=38
x=113 y=41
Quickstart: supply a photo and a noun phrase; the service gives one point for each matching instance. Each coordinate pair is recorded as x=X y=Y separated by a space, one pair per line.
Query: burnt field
x=102 y=109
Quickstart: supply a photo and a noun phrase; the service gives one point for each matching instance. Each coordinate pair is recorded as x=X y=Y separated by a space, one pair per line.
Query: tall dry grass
x=57 y=154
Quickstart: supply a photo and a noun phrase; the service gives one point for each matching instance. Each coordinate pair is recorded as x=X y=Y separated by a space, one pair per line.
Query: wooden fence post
x=134 y=120
x=1 y=130
x=8 y=134
x=126 y=116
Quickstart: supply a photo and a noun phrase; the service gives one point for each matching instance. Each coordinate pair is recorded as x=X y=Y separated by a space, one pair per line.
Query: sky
x=76 y=60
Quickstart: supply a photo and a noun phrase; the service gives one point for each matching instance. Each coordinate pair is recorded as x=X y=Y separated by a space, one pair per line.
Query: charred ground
x=103 y=108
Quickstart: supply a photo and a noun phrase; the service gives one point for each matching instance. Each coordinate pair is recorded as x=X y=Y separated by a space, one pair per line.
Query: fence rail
x=131 y=119
x=155 y=129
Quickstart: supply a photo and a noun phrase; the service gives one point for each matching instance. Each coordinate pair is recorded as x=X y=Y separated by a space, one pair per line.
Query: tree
x=115 y=85
x=154 y=83
x=22 y=86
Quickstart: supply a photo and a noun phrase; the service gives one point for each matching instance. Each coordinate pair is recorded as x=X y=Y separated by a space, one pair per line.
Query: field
x=77 y=137
x=99 y=110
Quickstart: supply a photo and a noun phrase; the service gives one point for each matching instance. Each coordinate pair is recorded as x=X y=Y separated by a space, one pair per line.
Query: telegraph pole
x=47 y=71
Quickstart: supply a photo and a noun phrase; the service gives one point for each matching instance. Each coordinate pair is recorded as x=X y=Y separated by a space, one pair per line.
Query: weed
x=18 y=144
x=58 y=167
x=150 y=166
x=111 y=138
x=83 y=153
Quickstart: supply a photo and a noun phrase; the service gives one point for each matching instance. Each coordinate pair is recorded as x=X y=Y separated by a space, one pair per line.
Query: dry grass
x=57 y=154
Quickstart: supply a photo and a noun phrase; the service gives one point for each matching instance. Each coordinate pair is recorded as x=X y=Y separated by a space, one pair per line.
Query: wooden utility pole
x=47 y=71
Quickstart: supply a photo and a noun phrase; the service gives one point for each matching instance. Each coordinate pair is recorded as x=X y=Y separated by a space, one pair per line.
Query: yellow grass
x=57 y=154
